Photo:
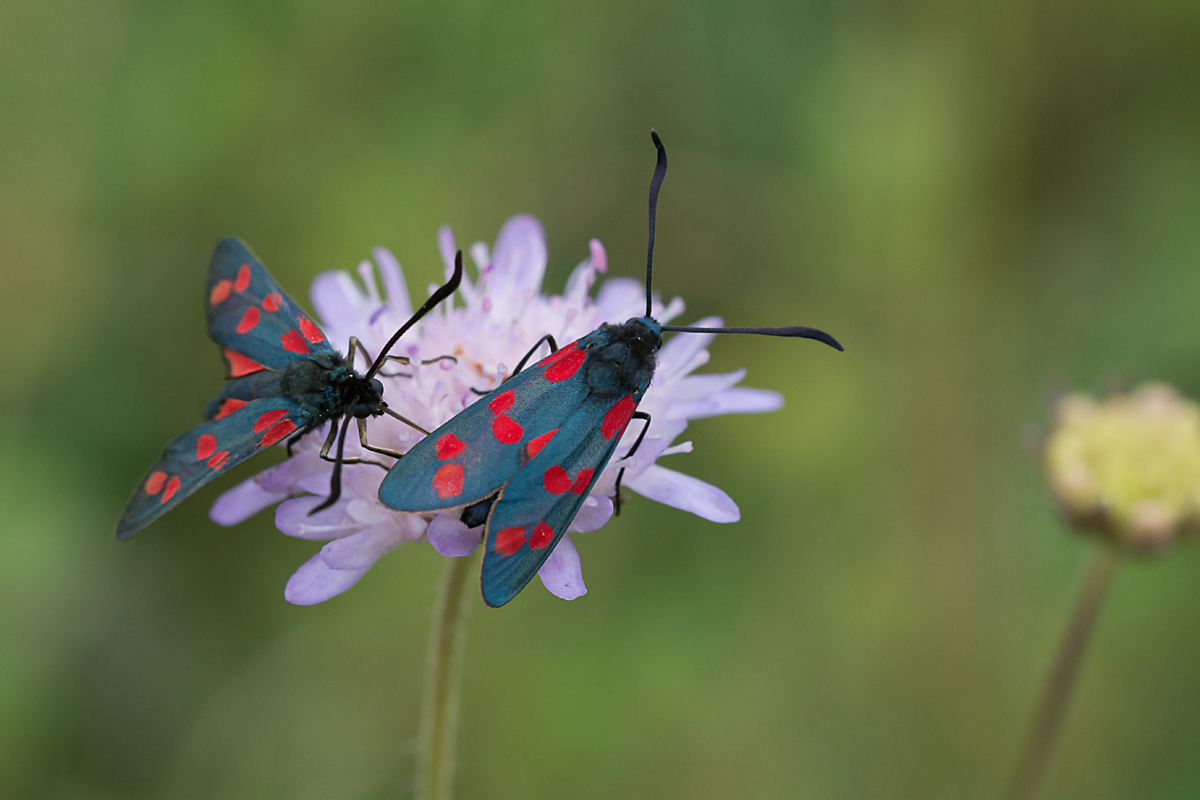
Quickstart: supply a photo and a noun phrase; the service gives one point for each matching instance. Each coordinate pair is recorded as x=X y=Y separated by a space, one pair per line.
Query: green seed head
x=1128 y=467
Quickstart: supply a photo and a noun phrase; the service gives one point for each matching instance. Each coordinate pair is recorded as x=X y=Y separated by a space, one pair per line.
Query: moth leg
x=406 y=361
x=299 y=435
x=547 y=339
x=335 y=480
x=355 y=344
x=632 y=450
x=362 y=440
x=329 y=441
x=384 y=408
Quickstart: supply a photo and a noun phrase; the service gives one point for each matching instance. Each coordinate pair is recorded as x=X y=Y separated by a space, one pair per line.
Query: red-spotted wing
x=256 y=324
x=205 y=452
x=480 y=449
x=536 y=506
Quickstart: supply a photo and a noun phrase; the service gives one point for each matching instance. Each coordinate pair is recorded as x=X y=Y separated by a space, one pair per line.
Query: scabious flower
x=1128 y=467
x=501 y=314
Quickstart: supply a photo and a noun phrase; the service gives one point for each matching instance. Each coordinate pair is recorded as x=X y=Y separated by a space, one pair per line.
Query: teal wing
x=486 y=444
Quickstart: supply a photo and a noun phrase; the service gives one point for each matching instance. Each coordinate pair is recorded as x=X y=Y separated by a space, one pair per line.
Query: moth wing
x=484 y=445
x=253 y=320
x=535 y=508
x=203 y=453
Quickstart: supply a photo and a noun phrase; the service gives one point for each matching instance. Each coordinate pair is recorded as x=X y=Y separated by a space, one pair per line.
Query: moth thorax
x=624 y=363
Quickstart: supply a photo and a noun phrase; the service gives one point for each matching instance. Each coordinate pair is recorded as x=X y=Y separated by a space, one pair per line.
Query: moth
x=522 y=459
x=284 y=381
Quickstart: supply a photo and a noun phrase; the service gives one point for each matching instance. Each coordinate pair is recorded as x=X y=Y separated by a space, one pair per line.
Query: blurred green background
x=982 y=201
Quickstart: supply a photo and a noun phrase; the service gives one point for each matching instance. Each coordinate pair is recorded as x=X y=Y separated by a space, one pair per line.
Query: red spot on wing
x=268 y=419
x=535 y=445
x=448 y=480
x=559 y=354
x=449 y=446
x=271 y=302
x=249 y=320
x=229 y=406
x=155 y=482
x=172 y=487
x=618 y=416
x=278 y=431
x=311 y=332
x=218 y=460
x=509 y=540
x=565 y=367
x=556 y=480
x=220 y=292
x=293 y=342
x=541 y=536
x=582 y=480
x=506 y=430
x=502 y=402
x=243 y=279
x=240 y=365
x=206 y=445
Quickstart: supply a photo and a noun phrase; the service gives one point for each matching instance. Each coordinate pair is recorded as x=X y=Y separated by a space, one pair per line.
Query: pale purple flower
x=488 y=328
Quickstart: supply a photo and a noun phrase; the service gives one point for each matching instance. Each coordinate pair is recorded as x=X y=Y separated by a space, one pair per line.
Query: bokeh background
x=984 y=202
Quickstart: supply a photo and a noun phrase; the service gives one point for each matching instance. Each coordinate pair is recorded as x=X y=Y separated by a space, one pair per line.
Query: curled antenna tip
x=654 y=137
x=795 y=331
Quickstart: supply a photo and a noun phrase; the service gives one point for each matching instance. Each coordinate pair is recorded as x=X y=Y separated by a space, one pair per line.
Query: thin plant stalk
x=1052 y=705
x=438 y=733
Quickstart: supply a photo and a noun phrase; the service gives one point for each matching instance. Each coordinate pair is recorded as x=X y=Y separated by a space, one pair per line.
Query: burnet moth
x=284 y=381
x=522 y=459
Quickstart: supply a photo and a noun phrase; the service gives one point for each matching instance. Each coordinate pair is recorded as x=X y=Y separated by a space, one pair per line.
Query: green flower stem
x=438 y=733
x=1051 y=707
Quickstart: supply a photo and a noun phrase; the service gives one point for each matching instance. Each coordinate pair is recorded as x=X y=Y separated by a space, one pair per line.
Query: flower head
x=501 y=314
x=1128 y=467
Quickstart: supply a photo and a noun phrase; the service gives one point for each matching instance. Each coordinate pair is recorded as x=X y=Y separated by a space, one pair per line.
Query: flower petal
x=685 y=492
x=242 y=502
x=593 y=514
x=518 y=262
x=621 y=298
x=450 y=537
x=315 y=582
x=292 y=518
x=693 y=387
x=284 y=476
x=739 y=400
x=338 y=300
x=398 y=301
x=685 y=351
x=562 y=574
x=361 y=550
x=446 y=246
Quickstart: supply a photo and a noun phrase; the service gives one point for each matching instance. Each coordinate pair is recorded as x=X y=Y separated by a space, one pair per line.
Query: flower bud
x=1128 y=467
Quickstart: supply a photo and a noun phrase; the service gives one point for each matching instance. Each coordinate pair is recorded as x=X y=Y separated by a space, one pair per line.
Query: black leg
x=384 y=408
x=355 y=344
x=362 y=440
x=335 y=480
x=553 y=349
x=632 y=450
x=292 y=441
x=548 y=339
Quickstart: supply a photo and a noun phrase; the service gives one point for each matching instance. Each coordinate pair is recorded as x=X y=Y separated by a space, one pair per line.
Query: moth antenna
x=660 y=172
x=441 y=294
x=796 y=331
